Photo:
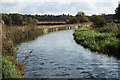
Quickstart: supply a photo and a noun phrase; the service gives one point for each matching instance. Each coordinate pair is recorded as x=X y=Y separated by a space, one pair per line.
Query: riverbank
x=12 y=36
x=106 y=43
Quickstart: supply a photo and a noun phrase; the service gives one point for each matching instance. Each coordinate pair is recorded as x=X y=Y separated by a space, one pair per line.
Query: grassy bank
x=12 y=36
x=9 y=69
x=106 y=43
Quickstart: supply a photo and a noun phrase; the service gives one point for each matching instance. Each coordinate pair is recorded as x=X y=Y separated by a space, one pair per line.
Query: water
x=56 y=55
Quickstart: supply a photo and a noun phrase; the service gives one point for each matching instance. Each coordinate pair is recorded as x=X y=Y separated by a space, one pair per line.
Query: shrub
x=98 y=21
x=106 y=43
x=35 y=21
x=73 y=20
x=9 y=70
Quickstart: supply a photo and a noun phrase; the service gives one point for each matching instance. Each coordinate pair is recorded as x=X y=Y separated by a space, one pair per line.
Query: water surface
x=56 y=55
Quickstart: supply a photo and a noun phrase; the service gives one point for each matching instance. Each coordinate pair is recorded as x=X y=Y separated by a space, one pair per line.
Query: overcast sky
x=59 y=6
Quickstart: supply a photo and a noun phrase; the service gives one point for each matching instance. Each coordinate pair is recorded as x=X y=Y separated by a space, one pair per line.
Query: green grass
x=8 y=69
x=106 y=43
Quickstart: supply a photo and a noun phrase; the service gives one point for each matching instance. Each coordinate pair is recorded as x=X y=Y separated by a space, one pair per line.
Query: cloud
x=58 y=7
x=92 y=1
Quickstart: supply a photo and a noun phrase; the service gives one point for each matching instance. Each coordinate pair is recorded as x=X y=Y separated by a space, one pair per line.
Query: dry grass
x=67 y=25
x=52 y=22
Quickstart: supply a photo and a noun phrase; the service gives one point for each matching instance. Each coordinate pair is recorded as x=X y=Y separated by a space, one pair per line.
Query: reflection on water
x=56 y=55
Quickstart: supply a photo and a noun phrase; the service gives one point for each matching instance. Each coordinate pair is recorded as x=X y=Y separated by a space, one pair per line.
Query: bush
x=29 y=20
x=73 y=20
x=35 y=21
x=106 y=43
x=98 y=21
x=8 y=69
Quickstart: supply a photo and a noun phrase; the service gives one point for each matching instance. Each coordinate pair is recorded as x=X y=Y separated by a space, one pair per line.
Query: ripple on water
x=80 y=68
x=57 y=55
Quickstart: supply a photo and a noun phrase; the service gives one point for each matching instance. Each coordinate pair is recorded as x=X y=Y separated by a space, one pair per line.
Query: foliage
x=8 y=69
x=98 y=21
x=79 y=18
x=73 y=20
x=7 y=20
x=17 y=19
x=117 y=13
x=106 y=43
x=35 y=21
x=110 y=28
x=29 y=20
x=82 y=17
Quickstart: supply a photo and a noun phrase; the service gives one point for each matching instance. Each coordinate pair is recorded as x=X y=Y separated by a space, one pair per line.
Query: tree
x=98 y=20
x=117 y=13
x=7 y=19
x=81 y=17
x=17 y=19
x=73 y=20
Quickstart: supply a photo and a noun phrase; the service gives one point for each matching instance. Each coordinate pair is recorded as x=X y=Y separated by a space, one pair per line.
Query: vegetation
x=18 y=19
x=98 y=21
x=49 y=18
x=7 y=20
x=117 y=13
x=96 y=41
x=8 y=69
x=73 y=20
x=82 y=17
x=11 y=68
x=101 y=36
x=79 y=18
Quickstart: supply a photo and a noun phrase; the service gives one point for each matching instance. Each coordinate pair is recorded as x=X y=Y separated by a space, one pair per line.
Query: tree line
x=19 y=19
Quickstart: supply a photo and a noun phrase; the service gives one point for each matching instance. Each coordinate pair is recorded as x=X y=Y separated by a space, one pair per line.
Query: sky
x=58 y=7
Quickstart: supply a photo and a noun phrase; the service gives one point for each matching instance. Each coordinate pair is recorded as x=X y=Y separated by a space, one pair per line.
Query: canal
x=56 y=55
